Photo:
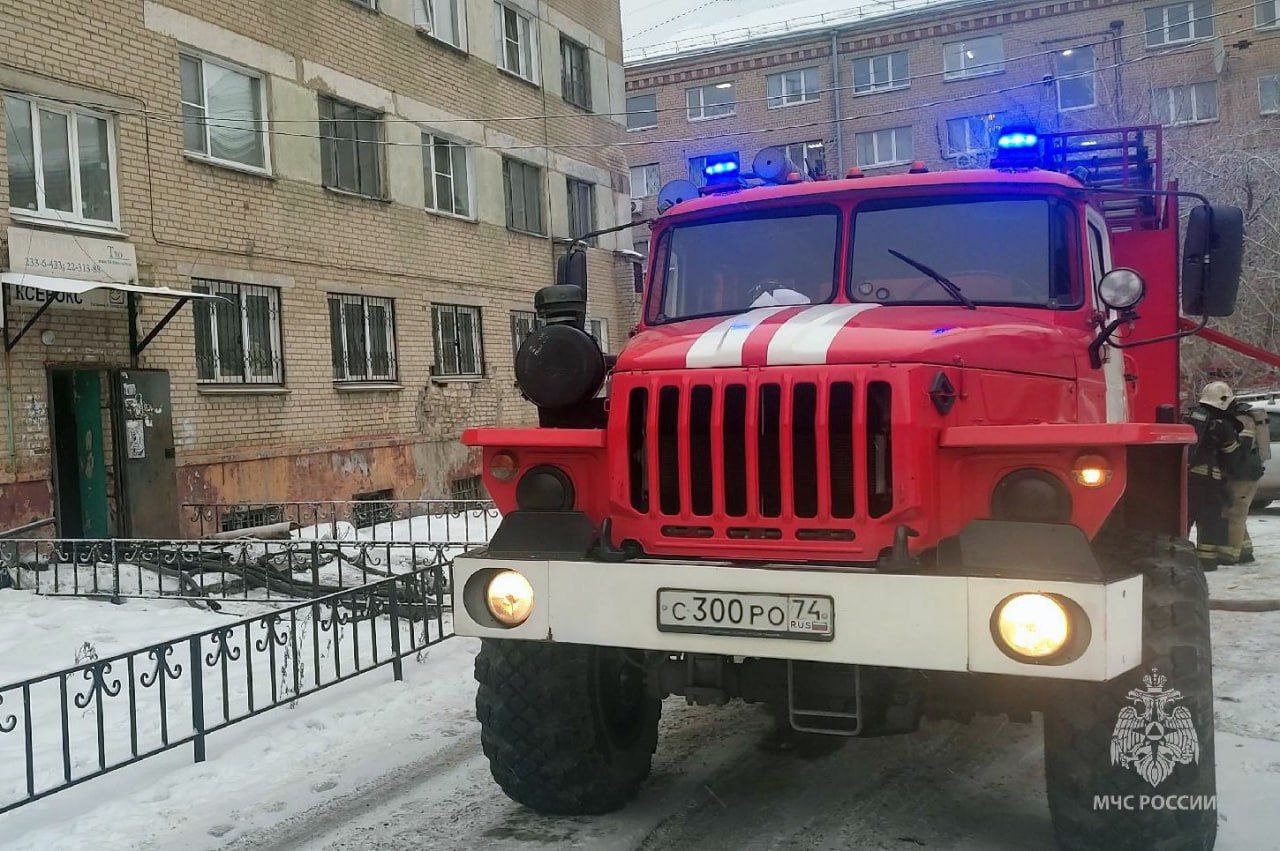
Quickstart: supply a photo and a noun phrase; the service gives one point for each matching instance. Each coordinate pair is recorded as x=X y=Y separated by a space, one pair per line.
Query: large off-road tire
x=568 y=729
x=1096 y=804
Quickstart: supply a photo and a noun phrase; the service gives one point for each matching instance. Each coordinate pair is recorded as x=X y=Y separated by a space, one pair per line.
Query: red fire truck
x=881 y=448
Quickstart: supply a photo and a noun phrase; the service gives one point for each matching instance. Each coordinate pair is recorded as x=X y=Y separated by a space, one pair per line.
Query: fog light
x=1034 y=626
x=545 y=488
x=509 y=598
x=1091 y=471
x=503 y=467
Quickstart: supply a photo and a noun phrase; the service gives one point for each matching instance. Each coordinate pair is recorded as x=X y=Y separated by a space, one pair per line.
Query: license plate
x=800 y=616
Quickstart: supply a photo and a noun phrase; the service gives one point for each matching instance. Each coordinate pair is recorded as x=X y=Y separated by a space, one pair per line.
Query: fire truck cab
x=881 y=448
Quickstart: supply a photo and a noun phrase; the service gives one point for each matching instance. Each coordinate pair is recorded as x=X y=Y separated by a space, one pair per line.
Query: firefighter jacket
x=1251 y=426
x=1217 y=447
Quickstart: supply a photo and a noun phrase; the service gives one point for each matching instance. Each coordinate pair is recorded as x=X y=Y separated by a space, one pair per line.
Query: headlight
x=509 y=598
x=1032 y=626
x=1121 y=289
x=545 y=488
x=1031 y=496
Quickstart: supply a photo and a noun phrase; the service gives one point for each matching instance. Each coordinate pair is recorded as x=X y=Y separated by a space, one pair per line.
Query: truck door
x=147 y=477
x=1112 y=358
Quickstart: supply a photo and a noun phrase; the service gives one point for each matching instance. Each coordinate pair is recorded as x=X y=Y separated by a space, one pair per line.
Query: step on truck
x=879 y=449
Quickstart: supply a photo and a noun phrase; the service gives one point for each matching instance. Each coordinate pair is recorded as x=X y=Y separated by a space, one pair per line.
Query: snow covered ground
x=378 y=764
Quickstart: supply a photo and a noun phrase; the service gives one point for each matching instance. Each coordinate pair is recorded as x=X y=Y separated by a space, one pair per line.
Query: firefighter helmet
x=1217 y=394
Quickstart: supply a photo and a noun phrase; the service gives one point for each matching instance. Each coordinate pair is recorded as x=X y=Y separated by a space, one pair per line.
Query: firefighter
x=1242 y=482
x=1216 y=447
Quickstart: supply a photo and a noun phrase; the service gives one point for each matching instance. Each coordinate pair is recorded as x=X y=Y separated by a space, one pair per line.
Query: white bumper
x=939 y=623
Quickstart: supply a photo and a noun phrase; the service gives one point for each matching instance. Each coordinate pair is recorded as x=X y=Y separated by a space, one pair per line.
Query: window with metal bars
x=523 y=323
x=468 y=488
x=237 y=335
x=362 y=337
x=459 y=343
x=350 y=147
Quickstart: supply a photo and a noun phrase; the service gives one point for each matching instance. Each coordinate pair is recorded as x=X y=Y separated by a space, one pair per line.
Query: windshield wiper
x=946 y=283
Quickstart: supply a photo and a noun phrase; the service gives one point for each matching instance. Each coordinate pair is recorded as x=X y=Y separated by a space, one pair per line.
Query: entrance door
x=80 y=471
x=147 y=472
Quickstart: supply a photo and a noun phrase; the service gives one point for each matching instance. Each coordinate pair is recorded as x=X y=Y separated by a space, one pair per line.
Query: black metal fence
x=411 y=520
x=61 y=729
x=244 y=569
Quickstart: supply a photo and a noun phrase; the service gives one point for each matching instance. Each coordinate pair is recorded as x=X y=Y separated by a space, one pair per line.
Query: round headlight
x=509 y=598
x=1033 y=626
x=545 y=488
x=1030 y=495
x=1121 y=289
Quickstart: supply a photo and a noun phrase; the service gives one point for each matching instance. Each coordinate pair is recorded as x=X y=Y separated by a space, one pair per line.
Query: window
x=61 y=161
x=1030 y=264
x=1179 y=22
x=698 y=166
x=442 y=19
x=792 y=87
x=973 y=57
x=1187 y=104
x=1269 y=94
x=582 y=209
x=468 y=489
x=523 y=184
x=1074 y=69
x=237 y=335
x=457 y=334
x=517 y=39
x=713 y=101
x=878 y=73
x=222 y=112
x=645 y=180
x=367 y=4
x=1266 y=13
x=575 y=73
x=973 y=134
x=599 y=331
x=362 y=333
x=523 y=323
x=446 y=165
x=642 y=112
x=372 y=508
x=350 y=148
x=810 y=156
x=884 y=147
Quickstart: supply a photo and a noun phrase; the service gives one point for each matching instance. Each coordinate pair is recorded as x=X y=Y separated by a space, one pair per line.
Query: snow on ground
x=378 y=764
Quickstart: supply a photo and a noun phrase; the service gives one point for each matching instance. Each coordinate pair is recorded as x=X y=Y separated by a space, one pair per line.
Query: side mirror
x=1212 y=258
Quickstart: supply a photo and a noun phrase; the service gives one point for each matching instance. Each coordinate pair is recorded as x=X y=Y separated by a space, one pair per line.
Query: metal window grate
x=237 y=336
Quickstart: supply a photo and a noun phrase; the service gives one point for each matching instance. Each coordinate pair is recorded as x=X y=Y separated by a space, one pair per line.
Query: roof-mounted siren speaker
x=676 y=192
x=772 y=165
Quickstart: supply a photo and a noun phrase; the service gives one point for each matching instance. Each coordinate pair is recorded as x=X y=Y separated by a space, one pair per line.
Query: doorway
x=80 y=423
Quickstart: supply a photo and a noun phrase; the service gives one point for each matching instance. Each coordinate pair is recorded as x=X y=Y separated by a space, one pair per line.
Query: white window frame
x=1169 y=101
x=1275 y=80
x=523 y=323
x=264 y=137
x=966 y=71
x=238 y=291
x=430 y=171
x=653 y=112
x=803 y=148
x=437 y=368
x=876 y=85
x=426 y=13
x=805 y=95
x=527 y=19
x=701 y=114
x=1075 y=76
x=598 y=328
x=651 y=178
x=879 y=163
x=389 y=327
x=1163 y=31
x=991 y=121
x=1275 y=14
x=76 y=216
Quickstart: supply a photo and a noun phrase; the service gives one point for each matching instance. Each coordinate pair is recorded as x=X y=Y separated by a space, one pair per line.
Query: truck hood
x=986 y=338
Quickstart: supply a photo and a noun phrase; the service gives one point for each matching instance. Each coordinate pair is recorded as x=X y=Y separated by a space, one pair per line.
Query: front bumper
x=938 y=623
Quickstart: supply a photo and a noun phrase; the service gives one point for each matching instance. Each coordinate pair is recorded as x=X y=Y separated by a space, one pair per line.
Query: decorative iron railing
x=243 y=569
x=411 y=520
x=64 y=728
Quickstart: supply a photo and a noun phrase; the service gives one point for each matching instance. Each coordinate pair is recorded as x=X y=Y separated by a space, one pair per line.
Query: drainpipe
x=835 y=105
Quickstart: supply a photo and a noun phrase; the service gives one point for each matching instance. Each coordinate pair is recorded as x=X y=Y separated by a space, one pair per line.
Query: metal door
x=147 y=473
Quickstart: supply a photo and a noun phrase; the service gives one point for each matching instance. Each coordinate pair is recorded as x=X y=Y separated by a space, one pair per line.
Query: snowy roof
x=654 y=29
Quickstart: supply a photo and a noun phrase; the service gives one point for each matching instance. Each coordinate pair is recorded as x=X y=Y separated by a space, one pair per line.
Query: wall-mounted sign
x=51 y=254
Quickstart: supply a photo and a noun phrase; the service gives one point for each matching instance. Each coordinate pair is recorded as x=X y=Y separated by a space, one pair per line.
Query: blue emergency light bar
x=719 y=167
x=1013 y=140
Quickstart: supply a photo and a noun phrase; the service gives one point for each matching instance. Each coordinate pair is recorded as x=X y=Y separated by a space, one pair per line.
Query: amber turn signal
x=1091 y=471
x=503 y=467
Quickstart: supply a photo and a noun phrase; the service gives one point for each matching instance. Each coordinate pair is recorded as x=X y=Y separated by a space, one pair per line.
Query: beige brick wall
x=308 y=438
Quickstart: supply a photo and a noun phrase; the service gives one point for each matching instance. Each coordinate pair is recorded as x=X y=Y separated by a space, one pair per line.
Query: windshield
x=729 y=266
x=997 y=251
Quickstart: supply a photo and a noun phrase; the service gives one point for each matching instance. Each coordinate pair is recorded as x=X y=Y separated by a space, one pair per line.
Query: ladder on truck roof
x=1114 y=158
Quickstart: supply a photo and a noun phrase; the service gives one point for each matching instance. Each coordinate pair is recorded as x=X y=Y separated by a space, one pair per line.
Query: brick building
x=931 y=84
x=319 y=166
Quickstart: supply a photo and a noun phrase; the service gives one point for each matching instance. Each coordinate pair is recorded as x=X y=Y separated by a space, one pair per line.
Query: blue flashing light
x=1017 y=140
x=722 y=167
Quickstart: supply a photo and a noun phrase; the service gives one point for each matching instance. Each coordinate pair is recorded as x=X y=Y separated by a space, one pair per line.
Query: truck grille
x=745 y=456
